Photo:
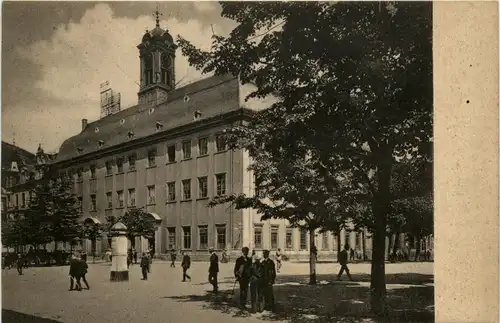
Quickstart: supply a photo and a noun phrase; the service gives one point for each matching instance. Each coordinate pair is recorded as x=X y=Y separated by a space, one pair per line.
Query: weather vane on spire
x=157 y=14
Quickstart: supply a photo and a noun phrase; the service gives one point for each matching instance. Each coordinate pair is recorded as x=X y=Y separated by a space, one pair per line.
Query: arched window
x=166 y=63
x=148 y=69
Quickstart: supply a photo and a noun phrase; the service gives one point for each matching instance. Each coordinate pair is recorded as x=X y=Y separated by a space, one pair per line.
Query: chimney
x=84 y=124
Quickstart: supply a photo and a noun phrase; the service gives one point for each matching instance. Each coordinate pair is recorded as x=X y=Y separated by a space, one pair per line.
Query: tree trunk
x=417 y=247
x=312 y=258
x=380 y=209
x=363 y=244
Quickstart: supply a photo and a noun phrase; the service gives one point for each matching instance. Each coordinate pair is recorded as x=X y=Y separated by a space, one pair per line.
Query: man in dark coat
x=267 y=281
x=242 y=274
x=134 y=253
x=213 y=270
x=144 y=266
x=75 y=273
x=186 y=264
x=343 y=258
x=173 y=257
x=20 y=263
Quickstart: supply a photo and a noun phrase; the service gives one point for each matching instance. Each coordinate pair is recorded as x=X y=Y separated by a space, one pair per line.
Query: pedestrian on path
x=343 y=259
x=267 y=281
x=134 y=253
x=213 y=270
x=20 y=263
x=144 y=266
x=186 y=264
x=173 y=257
x=242 y=274
x=75 y=273
x=278 y=260
x=84 y=267
x=255 y=283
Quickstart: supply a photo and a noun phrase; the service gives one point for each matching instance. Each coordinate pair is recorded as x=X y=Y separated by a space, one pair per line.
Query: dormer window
x=101 y=143
x=159 y=126
x=197 y=115
x=130 y=135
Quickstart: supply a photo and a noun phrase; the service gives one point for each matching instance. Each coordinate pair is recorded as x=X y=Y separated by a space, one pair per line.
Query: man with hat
x=213 y=270
x=267 y=281
x=242 y=270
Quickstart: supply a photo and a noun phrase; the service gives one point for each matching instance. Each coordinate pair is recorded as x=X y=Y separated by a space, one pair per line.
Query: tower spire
x=157 y=14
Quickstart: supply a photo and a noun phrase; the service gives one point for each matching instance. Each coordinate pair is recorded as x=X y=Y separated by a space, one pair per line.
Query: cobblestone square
x=43 y=293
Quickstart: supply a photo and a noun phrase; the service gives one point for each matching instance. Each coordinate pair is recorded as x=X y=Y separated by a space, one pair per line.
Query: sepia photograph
x=217 y=161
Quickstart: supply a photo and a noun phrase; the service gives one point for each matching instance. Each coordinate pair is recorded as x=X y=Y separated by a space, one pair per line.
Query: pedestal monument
x=119 y=243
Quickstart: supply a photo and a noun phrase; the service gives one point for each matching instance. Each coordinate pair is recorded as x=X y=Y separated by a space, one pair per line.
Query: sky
x=55 y=55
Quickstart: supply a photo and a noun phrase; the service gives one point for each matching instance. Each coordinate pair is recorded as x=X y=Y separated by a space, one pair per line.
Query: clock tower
x=157 y=57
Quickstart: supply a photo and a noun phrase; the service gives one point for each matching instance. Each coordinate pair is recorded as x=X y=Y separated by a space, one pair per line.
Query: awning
x=92 y=219
x=156 y=217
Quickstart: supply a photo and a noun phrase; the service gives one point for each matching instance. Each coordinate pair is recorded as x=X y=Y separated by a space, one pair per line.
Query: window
x=92 y=171
x=131 y=197
x=109 y=168
x=186 y=237
x=324 y=244
x=119 y=165
x=23 y=200
x=93 y=203
x=152 y=158
x=203 y=237
x=220 y=180
x=303 y=239
x=257 y=237
x=171 y=191
x=274 y=237
x=220 y=142
x=171 y=153
x=186 y=189
x=221 y=236
x=79 y=174
x=109 y=200
x=131 y=162
x=120 y=198
x=186 y=149
x=289 y=238
x=151 y=195
x=171 y=238
x=203 y=186
x=203 y=146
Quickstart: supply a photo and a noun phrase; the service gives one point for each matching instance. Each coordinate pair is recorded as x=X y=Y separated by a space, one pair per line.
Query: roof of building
x=209 y=97
x=12 y=153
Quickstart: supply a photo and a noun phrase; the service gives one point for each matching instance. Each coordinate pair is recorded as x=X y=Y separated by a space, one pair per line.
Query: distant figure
x=224 y=256
x=213 y=270
x=255 y=285
x=242 y=274
x=75 y=273
x=20 y=263
x=84 y=267
x=173 y=257
x=150 y=260
x=343 y=258
x=278 y=260
x=428 y=254
x=144 y=266
x=129 y=257
x=267 y=281
x=134 y=254
x=352 y=254
x=186 y=264
x=108 y=255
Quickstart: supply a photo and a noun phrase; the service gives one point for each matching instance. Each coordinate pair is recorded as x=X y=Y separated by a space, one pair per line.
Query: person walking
x=186 y=264
x=150 y=259
x=213 y=270
x=134 y=254
x=84 y=267
x=255 y=282
x=242 y=275
x=129 y=257
x=343 y=259
x=173 y=257
x=144 y=266
x=267 y=281
x=75 y=270
x=278 y=260
x=20 y=263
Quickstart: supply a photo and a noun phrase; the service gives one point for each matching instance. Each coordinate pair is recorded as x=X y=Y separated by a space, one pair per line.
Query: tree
x=64 y=220
x=138 y=222
x=35 y=221
x=12 y=231
x=353 y=82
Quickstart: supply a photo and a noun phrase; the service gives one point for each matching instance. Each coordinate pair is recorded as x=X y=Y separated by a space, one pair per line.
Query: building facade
x=167 y=155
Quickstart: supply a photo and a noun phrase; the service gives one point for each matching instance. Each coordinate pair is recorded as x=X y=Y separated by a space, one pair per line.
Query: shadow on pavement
x=9 y=316
x=296 y=301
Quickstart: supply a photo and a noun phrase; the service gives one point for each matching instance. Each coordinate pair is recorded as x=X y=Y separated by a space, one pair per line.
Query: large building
x=166 y=155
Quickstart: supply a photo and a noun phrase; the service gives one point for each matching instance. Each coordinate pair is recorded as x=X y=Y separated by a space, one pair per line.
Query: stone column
x=352 y=240
x=342 y=239
x=119 y=270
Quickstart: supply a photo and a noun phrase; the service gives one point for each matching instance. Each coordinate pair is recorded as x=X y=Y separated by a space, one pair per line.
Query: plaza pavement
x=42 y=293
